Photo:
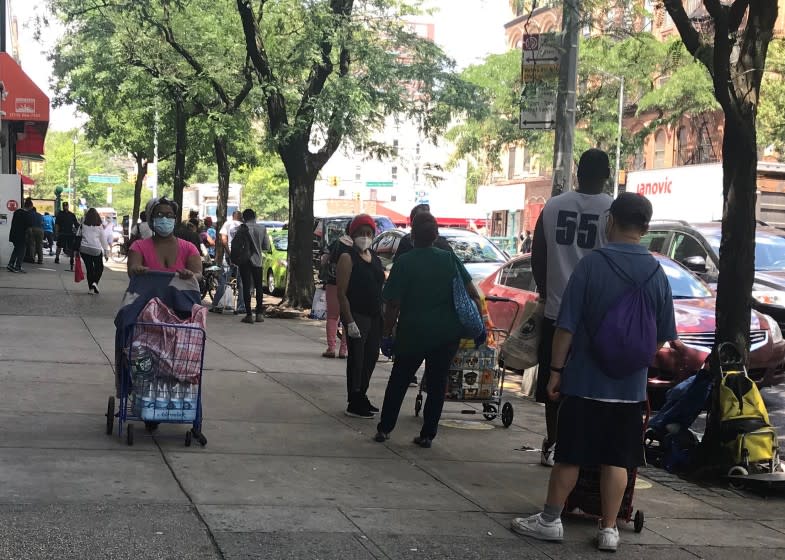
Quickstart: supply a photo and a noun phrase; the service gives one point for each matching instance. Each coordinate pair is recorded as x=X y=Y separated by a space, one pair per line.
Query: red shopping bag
x=78 y=272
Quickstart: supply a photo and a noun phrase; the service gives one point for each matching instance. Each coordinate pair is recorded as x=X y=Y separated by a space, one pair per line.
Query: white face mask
x=362 y=243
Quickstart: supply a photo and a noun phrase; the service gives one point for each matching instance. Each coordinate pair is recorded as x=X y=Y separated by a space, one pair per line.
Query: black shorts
x=548 y=329
x=593 y=433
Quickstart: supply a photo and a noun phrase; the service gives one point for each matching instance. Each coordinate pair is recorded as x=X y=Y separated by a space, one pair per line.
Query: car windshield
x=683 y=284
x=475 y=249
x=769 y=250
x=281 y=243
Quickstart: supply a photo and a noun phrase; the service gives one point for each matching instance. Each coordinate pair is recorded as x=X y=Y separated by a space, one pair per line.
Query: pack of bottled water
x=159 y=398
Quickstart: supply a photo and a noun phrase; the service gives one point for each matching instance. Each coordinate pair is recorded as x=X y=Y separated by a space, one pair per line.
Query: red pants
x=333 y=316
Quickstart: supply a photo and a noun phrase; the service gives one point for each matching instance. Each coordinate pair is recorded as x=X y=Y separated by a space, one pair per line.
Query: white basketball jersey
x=574 y=225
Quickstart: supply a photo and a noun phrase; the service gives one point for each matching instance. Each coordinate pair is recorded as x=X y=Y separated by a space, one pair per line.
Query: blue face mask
x=163 y=226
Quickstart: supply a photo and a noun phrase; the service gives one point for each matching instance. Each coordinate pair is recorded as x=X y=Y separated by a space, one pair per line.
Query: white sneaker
x=547 y=457
x=536 y=527
x=608 y=539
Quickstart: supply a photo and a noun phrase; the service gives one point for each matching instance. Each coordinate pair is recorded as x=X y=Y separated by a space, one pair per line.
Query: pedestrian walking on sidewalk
x=601 y=411
x=49 y=232
x=21 y=221
x=65 y=227
x=329 y=263
x=229 y=270
x=93 y=249
x=419 y=297
x=250 y=270
x=36 y=248
x=163 y=251
x=359 y=281
x=570 y=227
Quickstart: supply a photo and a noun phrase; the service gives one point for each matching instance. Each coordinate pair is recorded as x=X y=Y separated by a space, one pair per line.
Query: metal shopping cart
x=160 y=380
x=477 y=376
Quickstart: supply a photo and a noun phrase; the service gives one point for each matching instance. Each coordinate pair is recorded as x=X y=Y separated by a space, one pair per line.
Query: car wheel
x=270 y=282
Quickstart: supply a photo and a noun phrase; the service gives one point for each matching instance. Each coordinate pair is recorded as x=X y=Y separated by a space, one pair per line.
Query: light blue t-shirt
x=593 y=288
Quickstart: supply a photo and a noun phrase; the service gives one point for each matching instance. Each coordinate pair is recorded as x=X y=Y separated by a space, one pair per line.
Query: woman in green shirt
x=419 y=297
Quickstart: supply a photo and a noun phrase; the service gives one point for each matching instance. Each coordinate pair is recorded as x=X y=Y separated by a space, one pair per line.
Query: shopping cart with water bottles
x=160 y=380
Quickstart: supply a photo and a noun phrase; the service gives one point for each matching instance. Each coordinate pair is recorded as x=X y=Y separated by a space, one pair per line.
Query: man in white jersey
x=570 y=227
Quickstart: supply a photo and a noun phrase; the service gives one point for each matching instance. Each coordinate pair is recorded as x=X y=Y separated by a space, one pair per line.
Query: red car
x=694 y=308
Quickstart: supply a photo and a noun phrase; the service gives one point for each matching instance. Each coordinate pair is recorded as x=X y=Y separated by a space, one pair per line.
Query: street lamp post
x=618 y=138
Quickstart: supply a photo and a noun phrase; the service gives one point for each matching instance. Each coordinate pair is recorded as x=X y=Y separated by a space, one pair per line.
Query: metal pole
x=3 y=23
x=155 y=156
x=72 y=177
x=618 y=139
x=565 y=101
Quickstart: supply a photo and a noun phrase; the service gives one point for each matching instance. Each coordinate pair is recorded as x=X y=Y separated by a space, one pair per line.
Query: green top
x=421 y=281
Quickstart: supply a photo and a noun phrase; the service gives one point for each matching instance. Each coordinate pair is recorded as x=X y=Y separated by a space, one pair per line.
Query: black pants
x=94 y=268
x=252 y=278
x=437 y=367
x=18 y=255
x=50 y=240
x=363 y=355
x=545 y=352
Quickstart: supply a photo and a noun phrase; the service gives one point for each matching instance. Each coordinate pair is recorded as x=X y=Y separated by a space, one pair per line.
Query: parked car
x=697 y=246
x=694 y=309
x=275 y=265
x=327 y=229
x=271 y=224
x=479 y=255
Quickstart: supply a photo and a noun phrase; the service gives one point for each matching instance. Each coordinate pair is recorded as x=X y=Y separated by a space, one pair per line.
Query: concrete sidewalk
x=285 y=474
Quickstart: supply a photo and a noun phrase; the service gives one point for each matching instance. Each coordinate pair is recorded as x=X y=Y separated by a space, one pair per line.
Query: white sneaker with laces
x=547 y=457
x=537 y=528
x=608 y=539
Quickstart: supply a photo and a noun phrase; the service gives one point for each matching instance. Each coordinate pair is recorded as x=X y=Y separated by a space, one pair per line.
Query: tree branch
x=689 y=35
x=736 y=15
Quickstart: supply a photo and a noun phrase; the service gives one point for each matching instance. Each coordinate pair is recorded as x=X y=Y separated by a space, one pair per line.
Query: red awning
x=27 y=180
x=24 y=100
x=397 y=218
x=468 y=223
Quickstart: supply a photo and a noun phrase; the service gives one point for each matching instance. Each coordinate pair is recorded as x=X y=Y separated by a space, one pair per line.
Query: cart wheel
x=129 y=434
x=507 y=415
x=638 y=521
x=150 y=427
x=188 y=437
x=489 y=411
x=200 y=437
x=418 y=405
x=110 y=417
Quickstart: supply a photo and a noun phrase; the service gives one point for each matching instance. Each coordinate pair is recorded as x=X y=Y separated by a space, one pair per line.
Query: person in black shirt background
x=20 y=223
x=65 y=227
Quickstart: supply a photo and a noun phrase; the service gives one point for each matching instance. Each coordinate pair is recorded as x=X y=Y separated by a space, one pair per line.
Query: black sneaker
x=381 y=437
x=358 y=411
x=413 y=382
x=423 y=442
x=57 y=260
x=368 y=405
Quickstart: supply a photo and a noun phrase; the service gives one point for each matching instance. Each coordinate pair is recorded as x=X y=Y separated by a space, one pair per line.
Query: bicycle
x=119 y=251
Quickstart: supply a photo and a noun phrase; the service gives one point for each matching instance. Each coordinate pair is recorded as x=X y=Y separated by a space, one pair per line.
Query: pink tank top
x=146 y=248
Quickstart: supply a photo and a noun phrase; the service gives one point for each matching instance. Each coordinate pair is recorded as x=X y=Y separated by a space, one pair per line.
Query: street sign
x=540 y=75
x=107 y=179
x=68 y=190
x=378 y=184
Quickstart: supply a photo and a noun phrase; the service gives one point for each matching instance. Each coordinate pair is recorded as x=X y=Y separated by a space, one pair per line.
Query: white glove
x=353 y=330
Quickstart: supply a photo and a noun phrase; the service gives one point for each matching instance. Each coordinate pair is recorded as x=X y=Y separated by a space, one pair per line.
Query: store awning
x=397 y=218
x=27 y=180
x=23 y=102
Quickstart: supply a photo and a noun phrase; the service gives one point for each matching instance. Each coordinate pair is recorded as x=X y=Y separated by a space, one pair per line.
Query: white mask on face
x=362 y=243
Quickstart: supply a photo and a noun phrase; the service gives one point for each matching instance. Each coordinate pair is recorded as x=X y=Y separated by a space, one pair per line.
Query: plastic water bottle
x=162 y=402
x=141 y=365
x=176 y=402
x=148 y=404
x=189 y=402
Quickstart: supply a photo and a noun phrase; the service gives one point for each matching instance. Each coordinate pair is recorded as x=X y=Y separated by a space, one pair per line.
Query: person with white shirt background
x=92 y=248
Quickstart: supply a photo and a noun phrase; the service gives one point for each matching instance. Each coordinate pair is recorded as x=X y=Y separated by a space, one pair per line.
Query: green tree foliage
x=331 y=70
x=266 y=189
x=771 y=112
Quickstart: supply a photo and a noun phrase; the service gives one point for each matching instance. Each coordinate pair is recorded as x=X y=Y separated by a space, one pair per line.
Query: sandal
x=328 y=354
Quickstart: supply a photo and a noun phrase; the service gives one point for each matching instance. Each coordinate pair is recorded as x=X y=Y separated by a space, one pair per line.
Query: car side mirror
x=695 y=264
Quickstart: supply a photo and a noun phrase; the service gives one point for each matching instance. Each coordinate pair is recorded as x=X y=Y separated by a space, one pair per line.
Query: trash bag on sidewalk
x=319 y=305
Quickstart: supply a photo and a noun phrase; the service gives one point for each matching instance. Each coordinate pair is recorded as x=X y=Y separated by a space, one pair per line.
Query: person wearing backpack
x=616 y=312
x=248 y=245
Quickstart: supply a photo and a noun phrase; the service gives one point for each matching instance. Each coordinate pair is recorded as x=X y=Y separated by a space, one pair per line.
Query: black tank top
x=365 y=285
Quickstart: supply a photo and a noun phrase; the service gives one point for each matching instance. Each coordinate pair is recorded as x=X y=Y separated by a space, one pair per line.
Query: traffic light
x=357 y=196
x=333 y=181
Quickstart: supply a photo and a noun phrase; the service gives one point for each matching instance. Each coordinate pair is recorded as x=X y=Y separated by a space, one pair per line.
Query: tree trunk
x=222 y=162
x=141 y=173
x=181 y=144
x=737 y=249
x=299 y=290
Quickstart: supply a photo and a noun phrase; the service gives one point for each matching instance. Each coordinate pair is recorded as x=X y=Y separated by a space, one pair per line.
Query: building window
x=659 y=150
x=358 y=173
x=394 y=172
x=417 y=149
x=416 y=175
x=511 y=162
x=341 y=192
x=395 y=148
x=393 y=198
x=705 y=147
x=683 y=147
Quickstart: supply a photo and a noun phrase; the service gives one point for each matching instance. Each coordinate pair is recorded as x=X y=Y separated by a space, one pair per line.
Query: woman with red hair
x=360 y=278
